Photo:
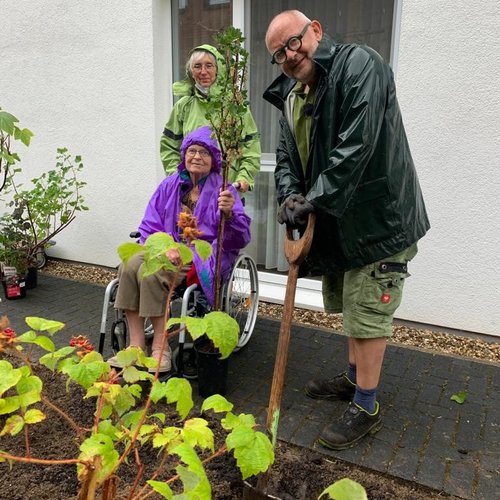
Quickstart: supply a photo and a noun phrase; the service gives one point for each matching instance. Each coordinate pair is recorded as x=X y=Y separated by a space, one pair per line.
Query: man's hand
x=294 y=211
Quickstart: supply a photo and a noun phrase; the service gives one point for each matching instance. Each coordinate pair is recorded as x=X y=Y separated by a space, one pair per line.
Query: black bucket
x=31 y=278
x=212 y=371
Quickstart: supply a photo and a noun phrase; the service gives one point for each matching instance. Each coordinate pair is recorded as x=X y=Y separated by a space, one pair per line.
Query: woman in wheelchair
x=195 y=188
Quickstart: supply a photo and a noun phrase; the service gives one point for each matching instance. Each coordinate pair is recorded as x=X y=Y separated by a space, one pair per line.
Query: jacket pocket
x=369 y=217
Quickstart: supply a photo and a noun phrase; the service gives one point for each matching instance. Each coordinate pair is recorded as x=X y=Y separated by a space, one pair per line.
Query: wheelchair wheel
x=242 y=297
x=118 y=335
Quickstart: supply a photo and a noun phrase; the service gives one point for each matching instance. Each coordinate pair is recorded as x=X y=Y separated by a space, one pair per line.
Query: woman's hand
x=226 y=202
x=241 y=186
x=174 y=256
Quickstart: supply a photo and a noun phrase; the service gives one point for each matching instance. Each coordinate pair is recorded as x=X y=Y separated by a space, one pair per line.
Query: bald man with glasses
x=343 y=154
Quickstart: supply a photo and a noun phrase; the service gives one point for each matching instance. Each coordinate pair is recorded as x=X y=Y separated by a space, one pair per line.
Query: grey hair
x=195 y=56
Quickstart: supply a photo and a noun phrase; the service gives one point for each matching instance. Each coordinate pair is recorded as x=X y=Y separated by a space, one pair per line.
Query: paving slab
x=426 y=437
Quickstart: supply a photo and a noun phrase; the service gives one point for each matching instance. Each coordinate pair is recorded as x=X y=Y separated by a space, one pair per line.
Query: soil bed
x=296 y=474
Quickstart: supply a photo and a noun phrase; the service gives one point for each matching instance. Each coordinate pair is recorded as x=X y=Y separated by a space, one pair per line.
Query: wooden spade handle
x=295 y=252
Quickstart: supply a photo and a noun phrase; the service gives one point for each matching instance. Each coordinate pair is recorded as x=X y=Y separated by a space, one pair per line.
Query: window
x=194 y=23
x=360 y=21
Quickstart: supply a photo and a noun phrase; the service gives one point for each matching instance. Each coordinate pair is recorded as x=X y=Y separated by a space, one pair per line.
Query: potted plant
x=41 y=212
x=14 y=260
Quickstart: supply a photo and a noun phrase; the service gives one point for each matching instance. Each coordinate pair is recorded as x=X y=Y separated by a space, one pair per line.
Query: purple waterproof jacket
x=162 y=212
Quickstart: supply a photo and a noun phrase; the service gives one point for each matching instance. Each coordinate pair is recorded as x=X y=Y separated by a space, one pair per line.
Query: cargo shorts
x=368 y=296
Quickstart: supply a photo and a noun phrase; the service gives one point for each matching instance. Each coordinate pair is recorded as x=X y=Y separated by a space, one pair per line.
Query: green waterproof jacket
x=360 y=175
x=189 y=113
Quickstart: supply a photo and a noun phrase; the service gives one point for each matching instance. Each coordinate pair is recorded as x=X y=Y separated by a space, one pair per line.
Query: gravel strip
x=432 y=340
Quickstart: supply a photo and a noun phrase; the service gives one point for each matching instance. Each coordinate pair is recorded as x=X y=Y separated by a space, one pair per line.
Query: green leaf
x=223 y=331
x=7 y=122
x=194 y=465
x=128 y=250
x=52 y=359
x=158 y=391
x=231 y=421
x=23 y=135
x=186 y=254
x=30 y=337
x=216 y=403
x=9 y=376
x=34 y=416
x=345 y=489
x=169 y=436
x=132 y=374
x=196 y=326
x=152 y=266
x=191 y=480
x=127 y=357
x=460 y=397
x=158 y=243
x=203 y=249
x=131 y=418
x=44 y=325
x=253 y=450
x=179 y=391
x=9 y=405
x=102 y=446
x=197 y=433
x=13 y=425
x=162 y=488
x=29 y=389
x=86 y=372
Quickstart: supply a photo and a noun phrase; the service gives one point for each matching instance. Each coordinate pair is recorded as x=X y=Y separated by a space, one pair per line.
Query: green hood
x=187 y=87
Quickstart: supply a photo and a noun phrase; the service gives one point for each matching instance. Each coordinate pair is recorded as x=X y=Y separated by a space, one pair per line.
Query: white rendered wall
x=82 y=75
x=448 y=87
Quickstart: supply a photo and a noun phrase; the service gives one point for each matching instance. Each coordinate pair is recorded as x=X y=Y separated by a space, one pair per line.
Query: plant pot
x=14 y=287
x=212 y=371
x=31 y=278
x=254 y=493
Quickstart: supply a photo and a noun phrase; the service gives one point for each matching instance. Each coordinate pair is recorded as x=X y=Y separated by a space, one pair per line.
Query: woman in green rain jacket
x=359 y=174
x=204 y=70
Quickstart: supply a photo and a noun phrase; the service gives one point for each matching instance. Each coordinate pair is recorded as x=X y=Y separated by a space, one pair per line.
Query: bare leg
x=136 y=329
x=368 y=356
x=159 y=329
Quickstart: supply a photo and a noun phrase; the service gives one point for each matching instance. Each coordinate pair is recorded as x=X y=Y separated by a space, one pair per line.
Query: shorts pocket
x=381 y=292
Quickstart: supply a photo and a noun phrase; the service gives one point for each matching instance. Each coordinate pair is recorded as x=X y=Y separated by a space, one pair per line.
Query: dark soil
x=296 y=474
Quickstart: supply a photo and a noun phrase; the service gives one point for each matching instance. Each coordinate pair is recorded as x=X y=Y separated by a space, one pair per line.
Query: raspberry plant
x=125 y=416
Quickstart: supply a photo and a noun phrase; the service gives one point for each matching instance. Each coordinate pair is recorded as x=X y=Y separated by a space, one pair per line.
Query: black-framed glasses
x=294 y=43
x=192 y=152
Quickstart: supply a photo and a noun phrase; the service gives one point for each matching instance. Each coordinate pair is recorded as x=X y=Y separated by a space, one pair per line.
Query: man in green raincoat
x=343 y=154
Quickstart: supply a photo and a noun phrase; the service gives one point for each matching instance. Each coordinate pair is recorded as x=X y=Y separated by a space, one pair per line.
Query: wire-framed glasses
x=294 y=43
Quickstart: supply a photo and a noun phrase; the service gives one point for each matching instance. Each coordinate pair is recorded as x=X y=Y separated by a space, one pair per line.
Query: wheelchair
x=240 y=300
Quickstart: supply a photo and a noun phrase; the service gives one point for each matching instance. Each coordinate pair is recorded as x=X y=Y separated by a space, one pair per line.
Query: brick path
x=426 y=437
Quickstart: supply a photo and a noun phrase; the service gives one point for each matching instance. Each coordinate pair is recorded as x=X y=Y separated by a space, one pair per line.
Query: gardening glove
x=294 y=211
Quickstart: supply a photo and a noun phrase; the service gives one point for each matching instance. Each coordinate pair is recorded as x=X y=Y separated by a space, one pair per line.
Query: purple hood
x=202 y=137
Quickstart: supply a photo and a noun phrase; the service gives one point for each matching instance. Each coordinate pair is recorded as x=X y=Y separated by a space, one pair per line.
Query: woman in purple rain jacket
x=196 y=188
